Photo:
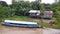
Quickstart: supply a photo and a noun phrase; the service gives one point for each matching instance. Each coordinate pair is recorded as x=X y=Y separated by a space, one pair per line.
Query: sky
x=43 y=1
x=48 y=1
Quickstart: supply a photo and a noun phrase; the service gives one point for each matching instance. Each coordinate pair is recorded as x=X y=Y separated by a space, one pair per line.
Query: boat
x=19 y=23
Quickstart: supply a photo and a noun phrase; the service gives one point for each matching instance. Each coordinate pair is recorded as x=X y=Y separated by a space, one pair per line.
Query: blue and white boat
x=20 y=23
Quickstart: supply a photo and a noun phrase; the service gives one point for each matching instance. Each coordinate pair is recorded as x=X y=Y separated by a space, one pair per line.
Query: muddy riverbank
x=21 y=30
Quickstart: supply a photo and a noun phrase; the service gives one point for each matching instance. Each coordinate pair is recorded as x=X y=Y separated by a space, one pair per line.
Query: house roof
x=34 y=11
x=48 y=12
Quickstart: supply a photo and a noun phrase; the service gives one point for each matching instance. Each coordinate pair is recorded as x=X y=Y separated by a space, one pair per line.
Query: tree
x=35 y=5
x=56 y=9
x=6 y=12
x=21 y=7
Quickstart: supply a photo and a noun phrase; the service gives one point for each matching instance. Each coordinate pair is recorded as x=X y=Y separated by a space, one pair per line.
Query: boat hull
x=19 y=24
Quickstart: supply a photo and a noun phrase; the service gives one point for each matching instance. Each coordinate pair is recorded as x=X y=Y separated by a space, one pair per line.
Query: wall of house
x=48 y=14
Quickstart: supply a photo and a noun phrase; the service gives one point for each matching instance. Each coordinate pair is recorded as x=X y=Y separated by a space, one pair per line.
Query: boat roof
x=21 y=22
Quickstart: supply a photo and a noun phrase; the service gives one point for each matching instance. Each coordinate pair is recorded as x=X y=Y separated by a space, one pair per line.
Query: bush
x=22 y=11
x=6 y=12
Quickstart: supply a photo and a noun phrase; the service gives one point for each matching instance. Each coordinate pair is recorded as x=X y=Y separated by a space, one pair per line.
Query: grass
x=18 y=18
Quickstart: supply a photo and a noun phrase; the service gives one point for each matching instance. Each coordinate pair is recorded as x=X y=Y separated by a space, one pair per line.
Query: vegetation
x=18 y=18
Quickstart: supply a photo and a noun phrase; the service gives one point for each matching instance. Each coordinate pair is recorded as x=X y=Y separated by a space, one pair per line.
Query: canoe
x=19 y=23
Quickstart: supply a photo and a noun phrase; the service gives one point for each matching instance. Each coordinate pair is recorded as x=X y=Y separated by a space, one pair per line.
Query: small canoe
x=19 y=23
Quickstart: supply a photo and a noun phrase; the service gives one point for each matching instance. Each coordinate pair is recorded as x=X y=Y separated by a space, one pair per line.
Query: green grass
x=18 y=18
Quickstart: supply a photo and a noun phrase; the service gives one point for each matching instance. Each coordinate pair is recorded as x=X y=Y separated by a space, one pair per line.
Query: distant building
x=34 y=13
x=48 y=14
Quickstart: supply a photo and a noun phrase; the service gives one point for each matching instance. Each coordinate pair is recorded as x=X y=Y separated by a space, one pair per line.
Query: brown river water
x=22 y=30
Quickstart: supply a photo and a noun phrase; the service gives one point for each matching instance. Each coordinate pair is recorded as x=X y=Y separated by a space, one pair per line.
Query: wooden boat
x=19 y=23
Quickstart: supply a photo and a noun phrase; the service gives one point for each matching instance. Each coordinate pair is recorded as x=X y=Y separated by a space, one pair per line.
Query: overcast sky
x=48 y=1
x=43 y=1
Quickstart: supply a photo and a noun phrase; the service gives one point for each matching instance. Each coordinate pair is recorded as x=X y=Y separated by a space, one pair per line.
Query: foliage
x=18 y=18
x=57 y=14
x=35 y=5
x=6 y=12
x=21 y=7
x=3 y=11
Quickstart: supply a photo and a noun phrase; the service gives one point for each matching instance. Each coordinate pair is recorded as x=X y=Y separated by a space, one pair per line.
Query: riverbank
x=25 y=18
